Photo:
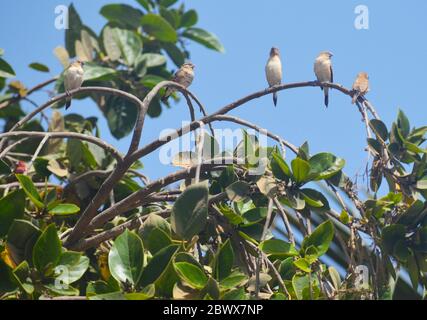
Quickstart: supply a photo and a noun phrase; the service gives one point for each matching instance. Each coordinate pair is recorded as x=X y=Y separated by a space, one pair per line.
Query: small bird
x=184 y=76
x=323 y=71
x=73 y=79
x=360 y=86
x=273 y=71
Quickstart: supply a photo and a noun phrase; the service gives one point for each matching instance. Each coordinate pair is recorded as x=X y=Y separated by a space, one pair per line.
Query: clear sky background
x=393 y=51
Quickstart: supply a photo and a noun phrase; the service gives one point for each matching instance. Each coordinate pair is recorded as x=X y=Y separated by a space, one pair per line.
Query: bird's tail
x=355 y=97
x=68 y=103
x=275 y=98
x=326 y=90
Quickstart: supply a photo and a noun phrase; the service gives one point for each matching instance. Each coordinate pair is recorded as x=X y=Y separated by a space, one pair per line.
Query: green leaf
x=121 y=116
x=236 y=294
x=176 y=55
x=158 y=265
x=64 y=209
x=190 y=211
x=233 y=280
x=94 y=72
x=301 y=286
x=150 y=80
x=403 y=123
x=71 y=267
x=391 y=235
x=126 y=258
x=189 y=19
x=30 y=190
x=39 y=67
x=191 y=274
x=302 y=264
x=12 y=207
x=233 y=217
x=157 y=240
x=152 y=60
x=21 y=238
x=110 y=44
x=47 y=250
x=205 y=38
x=122 y=14
x=380 y=129
x=279 y=167
x=159 y=28
x=277 y=248
x=224 y=260
x=74 y=153
x=325 y=165
x=335 y=277
x=320 y=238
x=315 y=198
x=167 y=3
x=72 y=34
x=109 y=296
x=6 y=70
x=129 y=43
x=146 y=4
x=300 y=169
x=147 y=293
x=22 y=273
x=237 y=190
x=255 y=215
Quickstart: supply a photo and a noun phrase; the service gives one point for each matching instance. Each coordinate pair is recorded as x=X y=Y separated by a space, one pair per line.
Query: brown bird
x=324 y=72
x=73 y=79
x=184 y=76
x=360 y=86
x=273 y=71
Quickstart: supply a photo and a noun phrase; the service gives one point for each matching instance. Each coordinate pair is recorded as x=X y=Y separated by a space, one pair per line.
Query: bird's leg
x=67 y=93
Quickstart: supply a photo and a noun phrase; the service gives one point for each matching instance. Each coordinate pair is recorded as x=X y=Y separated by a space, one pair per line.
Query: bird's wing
x=332 y=74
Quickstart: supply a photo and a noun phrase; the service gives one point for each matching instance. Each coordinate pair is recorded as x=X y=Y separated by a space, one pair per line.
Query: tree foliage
x=77 y=218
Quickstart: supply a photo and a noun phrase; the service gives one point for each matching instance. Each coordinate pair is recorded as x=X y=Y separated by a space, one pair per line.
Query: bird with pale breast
x=73 y=79
x=184 y=76
x=273 y=71
x=360 y=86
x=324 y=72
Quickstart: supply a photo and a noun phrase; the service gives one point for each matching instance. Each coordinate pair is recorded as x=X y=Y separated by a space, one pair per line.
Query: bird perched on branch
x=360 y=86
x=73 y=79
x=184 y=76
x=273 y=71
x=323 y=71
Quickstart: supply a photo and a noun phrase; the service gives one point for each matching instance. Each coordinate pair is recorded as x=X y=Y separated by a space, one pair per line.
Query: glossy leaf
x=6 y=70
x=39 y=67
x=191 y=274
x=122 y=14
x=71 y=267
x=158 y=27
x=31 y=191
x=126 y=258
x=300 y=169
x=223 y=261
x=320 y=238
x=47 y=249
x=190 y=211
x=64 y=209
x=208 y=39
x=12 y=207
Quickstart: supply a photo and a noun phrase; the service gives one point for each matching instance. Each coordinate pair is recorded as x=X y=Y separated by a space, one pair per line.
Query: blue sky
x=391 y=51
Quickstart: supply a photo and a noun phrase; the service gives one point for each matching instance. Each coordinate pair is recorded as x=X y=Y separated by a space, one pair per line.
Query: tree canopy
x=80 y=220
